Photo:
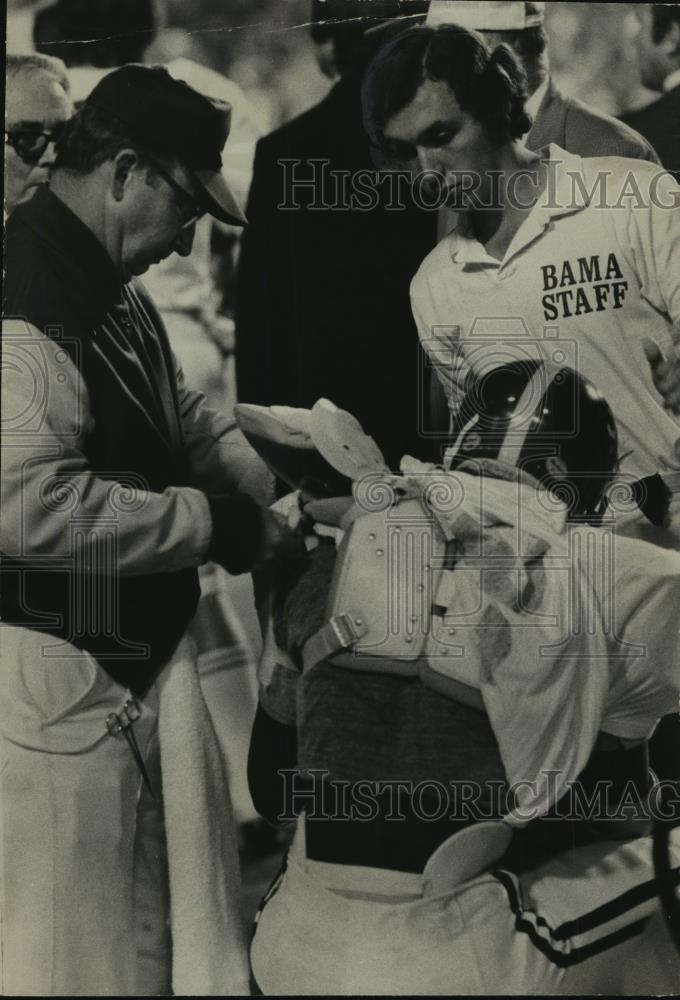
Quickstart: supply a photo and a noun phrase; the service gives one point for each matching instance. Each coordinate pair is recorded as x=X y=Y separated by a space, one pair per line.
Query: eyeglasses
x=29 y=144
x=189 y=207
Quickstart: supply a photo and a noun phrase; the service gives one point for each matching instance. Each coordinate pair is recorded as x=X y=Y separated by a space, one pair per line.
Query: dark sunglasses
x=190 y=208
x=29 y=144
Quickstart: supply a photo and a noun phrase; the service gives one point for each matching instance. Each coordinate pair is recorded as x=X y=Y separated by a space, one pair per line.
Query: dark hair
x=349 y=47
x=663 y=15
x=102 y=33
x=491 y=85
x=528 y=43
x=89 y=139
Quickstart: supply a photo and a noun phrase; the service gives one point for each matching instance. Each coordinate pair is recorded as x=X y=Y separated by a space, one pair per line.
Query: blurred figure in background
x=659 y=55
x=322 y=303
x=94 y=37
x=37 y=104
x=197 y=296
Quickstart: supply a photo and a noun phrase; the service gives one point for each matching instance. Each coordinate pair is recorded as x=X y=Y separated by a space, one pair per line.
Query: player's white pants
x=578 y=925
x=84 y=894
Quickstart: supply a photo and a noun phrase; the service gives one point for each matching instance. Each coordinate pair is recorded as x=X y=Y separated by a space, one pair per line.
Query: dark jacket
x=323 y=292
x=660 y=123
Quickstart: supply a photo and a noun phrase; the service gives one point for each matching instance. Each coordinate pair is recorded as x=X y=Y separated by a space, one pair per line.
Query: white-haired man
x=37 y=105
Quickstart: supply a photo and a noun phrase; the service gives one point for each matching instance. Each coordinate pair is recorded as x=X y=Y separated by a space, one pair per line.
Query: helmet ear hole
x=471 y=441
x=551 y=423
x=556 y=466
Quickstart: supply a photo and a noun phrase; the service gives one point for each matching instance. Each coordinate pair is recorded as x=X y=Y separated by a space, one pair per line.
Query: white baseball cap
x=492 y=15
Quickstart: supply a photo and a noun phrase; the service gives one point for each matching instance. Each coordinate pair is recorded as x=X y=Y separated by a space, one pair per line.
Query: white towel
x=210 y=956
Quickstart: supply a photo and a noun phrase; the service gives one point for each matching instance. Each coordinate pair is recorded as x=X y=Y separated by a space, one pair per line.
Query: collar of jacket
x=549 y=124
x=78 y=250
x=561 y=196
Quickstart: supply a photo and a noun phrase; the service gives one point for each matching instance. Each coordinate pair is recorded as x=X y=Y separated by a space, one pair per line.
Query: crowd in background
x=265 y=47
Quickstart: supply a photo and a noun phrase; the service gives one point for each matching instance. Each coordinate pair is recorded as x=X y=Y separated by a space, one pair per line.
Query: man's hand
x=279 y=540
x=246 y=535
x=665 y=371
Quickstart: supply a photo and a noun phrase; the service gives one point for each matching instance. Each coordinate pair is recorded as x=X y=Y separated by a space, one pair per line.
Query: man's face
x=35 y=102
x=158 y=215
x=435 y=131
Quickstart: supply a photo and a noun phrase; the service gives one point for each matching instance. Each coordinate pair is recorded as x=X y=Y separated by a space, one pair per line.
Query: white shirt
x=581 y=284
x=641 y=610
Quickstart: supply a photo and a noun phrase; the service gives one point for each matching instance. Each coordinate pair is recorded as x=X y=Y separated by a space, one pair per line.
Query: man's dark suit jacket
x=660 y=123
x=323 y=293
